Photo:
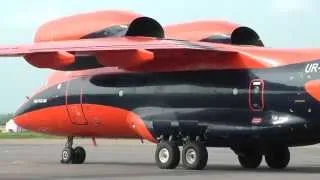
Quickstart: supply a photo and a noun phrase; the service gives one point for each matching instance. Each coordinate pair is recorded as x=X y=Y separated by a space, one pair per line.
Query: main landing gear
x=276 y=157
x=194 y=155
x=167 y=155
x=250 y=158
x=71 y=155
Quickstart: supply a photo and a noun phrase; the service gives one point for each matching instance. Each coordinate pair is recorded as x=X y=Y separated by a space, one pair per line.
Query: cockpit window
x=113 y=31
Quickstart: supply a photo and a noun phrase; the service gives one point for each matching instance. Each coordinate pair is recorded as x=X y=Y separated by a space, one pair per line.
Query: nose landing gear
x=73 y=156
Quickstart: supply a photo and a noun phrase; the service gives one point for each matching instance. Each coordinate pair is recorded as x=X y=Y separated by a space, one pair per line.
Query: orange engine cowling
x=79 y=26
x=122 y=23
x=82 y=26
x=95 y=25
x=214 y=31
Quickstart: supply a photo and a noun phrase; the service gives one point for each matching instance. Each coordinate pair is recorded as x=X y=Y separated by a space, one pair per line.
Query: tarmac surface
x=127 y=159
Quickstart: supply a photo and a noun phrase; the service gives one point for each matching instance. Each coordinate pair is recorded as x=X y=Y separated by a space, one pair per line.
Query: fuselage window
x=256 y=95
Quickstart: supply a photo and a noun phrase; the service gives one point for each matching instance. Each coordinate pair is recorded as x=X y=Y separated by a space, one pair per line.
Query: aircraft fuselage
x=224 y=107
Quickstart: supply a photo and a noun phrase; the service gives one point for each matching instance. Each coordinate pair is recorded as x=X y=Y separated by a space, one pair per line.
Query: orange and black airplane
x=193 y=85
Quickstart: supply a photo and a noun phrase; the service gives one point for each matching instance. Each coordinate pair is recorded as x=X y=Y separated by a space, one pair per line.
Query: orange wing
x=151 y=54
x=123 y=52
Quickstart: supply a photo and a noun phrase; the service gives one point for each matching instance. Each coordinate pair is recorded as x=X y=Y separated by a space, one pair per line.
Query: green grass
x=26 y=135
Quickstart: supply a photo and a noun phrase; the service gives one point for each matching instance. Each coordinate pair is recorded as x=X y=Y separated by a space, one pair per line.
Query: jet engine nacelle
x=145 y=26
x=98 y=25
x=240 y=36
x=94 y=25
x=245 y=36
x=214 y=31
x=88 y=25
x=140 y=26
x=121 y=23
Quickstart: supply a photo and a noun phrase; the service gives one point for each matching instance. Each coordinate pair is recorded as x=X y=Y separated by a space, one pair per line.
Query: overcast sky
x=280 y=23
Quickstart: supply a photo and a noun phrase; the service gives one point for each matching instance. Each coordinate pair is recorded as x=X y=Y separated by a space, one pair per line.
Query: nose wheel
x=72 y=156
x=67 y=155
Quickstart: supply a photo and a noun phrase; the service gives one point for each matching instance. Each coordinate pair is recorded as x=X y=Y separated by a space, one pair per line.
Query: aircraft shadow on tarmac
x=218 y=167
x=263 y=169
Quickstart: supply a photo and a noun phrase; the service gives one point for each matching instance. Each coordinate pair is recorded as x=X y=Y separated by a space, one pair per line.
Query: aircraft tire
x=250 y=159
x=167 y=155
x=79 y=155
x=194 y=156
x=67 y=155
x=278 y=158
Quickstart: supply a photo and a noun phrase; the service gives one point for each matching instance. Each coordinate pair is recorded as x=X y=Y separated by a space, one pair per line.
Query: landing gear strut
x=70 y=155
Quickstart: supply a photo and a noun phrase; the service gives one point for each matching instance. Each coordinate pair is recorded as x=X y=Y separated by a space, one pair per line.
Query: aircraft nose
x=20 y=118
x=35 y=120
x=24 y=116
x=313 y=89
x=21 y=121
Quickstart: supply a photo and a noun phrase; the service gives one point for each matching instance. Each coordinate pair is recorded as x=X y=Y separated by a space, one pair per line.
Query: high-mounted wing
x=124 y=52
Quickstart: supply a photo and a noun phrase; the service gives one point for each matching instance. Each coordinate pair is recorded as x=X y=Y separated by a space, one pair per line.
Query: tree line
x=4 y=118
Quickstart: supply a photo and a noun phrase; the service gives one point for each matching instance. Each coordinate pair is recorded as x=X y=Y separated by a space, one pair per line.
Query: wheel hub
x=65 y=155
x=191 y=156
x=164 y=155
